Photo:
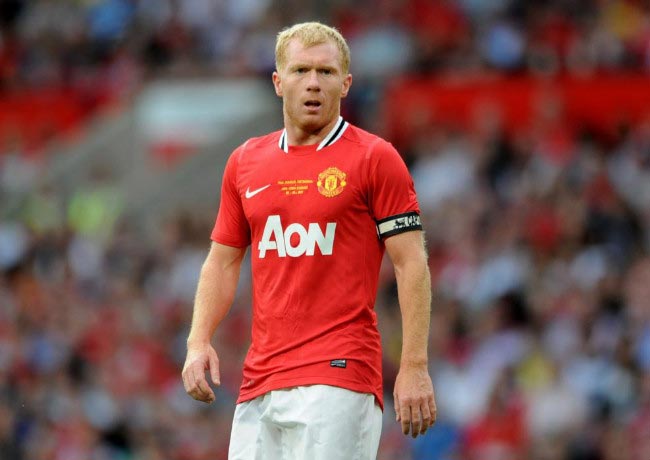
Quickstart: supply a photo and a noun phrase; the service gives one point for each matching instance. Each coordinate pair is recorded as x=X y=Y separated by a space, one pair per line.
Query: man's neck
x=297 y=135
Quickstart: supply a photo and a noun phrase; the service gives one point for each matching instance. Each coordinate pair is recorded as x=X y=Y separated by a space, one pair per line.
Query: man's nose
x=313 y=83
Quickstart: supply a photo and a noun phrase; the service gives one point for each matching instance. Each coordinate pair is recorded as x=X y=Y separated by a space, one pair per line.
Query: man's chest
x=301 y=189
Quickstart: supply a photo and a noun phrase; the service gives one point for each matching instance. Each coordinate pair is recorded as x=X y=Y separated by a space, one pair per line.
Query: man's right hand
x=200 y=359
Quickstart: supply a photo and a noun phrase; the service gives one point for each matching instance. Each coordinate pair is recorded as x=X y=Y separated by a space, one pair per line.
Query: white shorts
x=315 y=422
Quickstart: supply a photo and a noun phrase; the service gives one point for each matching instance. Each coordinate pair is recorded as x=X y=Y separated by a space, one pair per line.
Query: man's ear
x=277 y=83
x=347 y=82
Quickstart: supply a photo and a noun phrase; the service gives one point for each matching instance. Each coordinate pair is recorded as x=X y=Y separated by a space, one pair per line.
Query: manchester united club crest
x=331 y=182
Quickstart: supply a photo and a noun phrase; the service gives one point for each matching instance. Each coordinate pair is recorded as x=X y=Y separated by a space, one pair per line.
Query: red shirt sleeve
x=231 y=227
x=391 y=193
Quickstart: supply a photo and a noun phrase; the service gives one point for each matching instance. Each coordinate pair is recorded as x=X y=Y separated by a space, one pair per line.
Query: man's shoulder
x=372 y=144
x=363 y=137
x=260 y=142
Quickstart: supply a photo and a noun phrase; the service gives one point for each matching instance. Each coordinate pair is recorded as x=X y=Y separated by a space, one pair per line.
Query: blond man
x=318 y=202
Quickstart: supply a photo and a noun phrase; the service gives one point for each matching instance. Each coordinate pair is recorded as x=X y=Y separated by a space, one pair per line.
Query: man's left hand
x=415 y=405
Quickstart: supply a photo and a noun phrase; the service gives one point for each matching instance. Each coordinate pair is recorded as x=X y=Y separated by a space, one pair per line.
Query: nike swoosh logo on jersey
x=251 y=194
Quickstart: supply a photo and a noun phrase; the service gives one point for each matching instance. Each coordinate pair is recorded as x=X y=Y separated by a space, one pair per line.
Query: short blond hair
x=311 y=34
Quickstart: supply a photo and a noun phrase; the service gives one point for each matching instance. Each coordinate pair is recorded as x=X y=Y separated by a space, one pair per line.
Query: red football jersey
x=315 y=217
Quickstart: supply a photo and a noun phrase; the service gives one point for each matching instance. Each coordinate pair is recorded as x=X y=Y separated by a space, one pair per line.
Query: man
x=318 y=202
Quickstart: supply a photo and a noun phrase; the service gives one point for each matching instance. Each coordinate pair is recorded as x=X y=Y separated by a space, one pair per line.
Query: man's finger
x=202 y=388
x=433 y=410
x=188 y=379
x=397 y=408
x=426 y=418
x=206 y=392
x=405 y=415
x=214 y=368
x=416 y=420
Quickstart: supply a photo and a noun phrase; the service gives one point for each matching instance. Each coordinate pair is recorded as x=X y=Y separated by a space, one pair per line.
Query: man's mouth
x=312 y=104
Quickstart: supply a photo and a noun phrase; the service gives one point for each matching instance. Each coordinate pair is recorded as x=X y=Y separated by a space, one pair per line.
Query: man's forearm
x=414 y=292
x=214 y=294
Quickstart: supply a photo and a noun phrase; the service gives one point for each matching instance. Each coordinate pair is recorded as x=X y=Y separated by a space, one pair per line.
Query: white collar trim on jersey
x=333 y=136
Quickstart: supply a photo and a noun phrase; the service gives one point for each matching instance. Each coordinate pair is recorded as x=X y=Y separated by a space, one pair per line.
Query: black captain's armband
x=400 y=223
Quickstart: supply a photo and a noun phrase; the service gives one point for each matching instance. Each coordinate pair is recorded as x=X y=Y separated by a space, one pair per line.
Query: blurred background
x=526 y=127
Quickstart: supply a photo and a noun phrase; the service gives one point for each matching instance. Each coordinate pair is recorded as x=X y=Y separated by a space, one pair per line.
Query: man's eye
x=326 y=71
x=301 y=70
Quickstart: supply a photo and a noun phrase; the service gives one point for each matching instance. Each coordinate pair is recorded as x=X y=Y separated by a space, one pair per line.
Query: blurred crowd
x=541 y=324
x=47 y=42
x=540 y=343
x=94 y=52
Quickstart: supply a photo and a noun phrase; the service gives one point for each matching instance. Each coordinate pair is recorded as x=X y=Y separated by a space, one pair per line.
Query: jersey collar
x=333 y=136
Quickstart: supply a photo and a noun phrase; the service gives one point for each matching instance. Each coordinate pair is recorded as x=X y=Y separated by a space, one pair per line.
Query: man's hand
x=415 y=405
x=200 y=359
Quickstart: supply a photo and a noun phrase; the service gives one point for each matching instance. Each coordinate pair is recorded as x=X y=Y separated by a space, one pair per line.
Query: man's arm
x=214 y=295
x=415 y=403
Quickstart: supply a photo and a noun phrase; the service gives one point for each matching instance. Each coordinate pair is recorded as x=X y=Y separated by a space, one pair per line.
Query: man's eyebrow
x=311 y=65
x=327 y=67
x=300 y=65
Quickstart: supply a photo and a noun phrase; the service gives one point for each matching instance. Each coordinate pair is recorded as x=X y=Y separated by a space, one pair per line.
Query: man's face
x=311 y=84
